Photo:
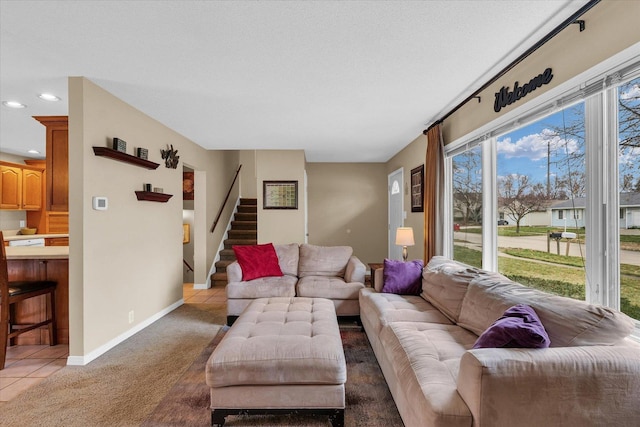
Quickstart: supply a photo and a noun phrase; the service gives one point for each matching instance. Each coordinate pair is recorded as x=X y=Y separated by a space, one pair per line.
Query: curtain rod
x=569 y=21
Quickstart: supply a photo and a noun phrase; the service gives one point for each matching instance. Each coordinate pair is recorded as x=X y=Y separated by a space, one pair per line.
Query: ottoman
x=282 y=355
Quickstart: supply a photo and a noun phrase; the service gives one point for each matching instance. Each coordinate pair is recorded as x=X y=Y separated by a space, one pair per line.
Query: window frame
x=598 y=89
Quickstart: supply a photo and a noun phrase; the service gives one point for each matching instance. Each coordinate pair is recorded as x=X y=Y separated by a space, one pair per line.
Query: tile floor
x=27 y=365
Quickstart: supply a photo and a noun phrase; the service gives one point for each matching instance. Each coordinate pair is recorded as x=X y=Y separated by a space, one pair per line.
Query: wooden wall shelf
x=152 y=196
x=124 y=157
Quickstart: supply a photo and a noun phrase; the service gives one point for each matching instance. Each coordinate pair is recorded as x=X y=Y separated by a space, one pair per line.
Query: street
x=539 y=243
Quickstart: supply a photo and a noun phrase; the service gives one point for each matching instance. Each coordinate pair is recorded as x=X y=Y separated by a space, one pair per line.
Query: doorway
x=187 y=224
x=396 y=213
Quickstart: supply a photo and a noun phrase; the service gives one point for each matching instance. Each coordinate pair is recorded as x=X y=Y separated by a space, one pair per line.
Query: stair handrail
x=226 y=199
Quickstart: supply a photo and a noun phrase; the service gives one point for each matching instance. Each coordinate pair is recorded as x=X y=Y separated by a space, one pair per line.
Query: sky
x=524 y=151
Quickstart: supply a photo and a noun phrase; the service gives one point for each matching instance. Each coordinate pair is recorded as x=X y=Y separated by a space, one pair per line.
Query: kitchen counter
x=37 y=252
x=8 y=238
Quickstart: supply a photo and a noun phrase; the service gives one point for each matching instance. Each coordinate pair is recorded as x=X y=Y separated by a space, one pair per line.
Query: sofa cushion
x=327 y=287
x=323 y=260
x=568 y=322
x=402 y=278
x=445 y=284
x=519 y=327
x=284 y=286
x=257 y=261
x=381 y=309
x=288 y=257
x=426 y=359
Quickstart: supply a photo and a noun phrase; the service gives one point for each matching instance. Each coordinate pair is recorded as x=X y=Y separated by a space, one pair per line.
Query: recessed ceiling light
x=32 y=151
x=48 y=97
x=13 y=104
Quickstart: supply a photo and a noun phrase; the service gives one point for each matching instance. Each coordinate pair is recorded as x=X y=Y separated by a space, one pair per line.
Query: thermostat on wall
x=100 y=203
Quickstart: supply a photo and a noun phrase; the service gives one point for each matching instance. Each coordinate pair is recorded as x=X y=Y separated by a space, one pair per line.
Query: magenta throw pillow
x=257 y=261
x=403 y=278
x=519 y=327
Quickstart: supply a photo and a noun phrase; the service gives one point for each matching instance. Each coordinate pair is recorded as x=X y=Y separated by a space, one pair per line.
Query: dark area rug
x=369 y=402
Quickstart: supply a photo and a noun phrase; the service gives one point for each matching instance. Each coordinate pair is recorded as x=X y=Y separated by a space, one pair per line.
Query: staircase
x=244 y=231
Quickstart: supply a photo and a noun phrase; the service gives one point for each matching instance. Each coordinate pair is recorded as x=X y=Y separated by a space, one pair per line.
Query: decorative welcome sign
x=506 y=97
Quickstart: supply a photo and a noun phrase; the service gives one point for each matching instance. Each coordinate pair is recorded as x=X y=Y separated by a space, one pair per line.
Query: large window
x=560 y=195
x=541 y=192
x=467 y=207
x=629 y=184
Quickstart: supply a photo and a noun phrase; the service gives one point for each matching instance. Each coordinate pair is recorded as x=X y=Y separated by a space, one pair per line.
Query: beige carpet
x=123 y=386
x=156 y=378
x=369 y=402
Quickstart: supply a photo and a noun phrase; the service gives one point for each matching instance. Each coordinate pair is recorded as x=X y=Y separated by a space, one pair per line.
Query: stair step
x=244 y=225
x=243 y=234
x=248 y=208
x=229 y=243
x=227 y=255
x=249 y=202
x=243 y=216
x=219 y=279
x=221 y=266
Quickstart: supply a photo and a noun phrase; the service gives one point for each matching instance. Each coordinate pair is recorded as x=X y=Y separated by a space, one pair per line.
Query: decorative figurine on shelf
x=170 y=157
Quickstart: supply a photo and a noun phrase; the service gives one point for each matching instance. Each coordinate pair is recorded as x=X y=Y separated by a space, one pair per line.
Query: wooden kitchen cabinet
x=21 y=187
x=53 y=217
x=56 y=241
x=57 y=168
x=31 y=189
x=11 y=186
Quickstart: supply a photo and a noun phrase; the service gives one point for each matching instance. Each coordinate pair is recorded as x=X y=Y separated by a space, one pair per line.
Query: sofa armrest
x=586 y=386
x=355 y=270
x=234 y=272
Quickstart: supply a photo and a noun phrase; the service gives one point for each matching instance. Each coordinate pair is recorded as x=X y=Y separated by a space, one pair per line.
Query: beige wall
x=248 y=178
x=281 y=225
x=611 y=26
x=129 y=258
x=348 y=206
x=410 y=157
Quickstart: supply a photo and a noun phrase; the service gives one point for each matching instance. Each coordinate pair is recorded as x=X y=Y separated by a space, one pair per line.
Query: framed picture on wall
x=187 y=186
x=417 y=189
x=280 y=195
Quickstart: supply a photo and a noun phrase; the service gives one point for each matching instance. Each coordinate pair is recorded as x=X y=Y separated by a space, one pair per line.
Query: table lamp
x=404 y=238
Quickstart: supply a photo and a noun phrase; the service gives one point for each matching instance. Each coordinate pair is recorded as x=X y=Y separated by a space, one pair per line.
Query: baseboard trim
x=201 y=286
x=83 y=360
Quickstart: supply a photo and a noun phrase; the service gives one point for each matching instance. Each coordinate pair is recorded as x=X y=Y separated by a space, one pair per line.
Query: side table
x=374 y=266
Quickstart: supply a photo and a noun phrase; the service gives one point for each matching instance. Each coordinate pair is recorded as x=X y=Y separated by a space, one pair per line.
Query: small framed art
x=280 y=195
x=187 y=185
x=120 y=145
x=417 y=189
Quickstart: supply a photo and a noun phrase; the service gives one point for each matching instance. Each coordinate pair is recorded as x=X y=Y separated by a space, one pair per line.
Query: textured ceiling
x=344 y=81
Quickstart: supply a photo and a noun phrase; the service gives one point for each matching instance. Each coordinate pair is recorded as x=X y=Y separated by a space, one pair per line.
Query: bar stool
x=14 y=292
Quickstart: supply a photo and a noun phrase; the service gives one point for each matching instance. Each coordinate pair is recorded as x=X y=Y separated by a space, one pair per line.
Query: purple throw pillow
x=403 y=278
x=519 y=327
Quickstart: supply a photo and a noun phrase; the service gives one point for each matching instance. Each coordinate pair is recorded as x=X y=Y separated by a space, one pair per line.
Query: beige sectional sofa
x=589 y=376
x=331 y=272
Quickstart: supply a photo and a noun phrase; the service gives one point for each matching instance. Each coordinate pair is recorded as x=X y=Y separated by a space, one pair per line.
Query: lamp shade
x=404 y=236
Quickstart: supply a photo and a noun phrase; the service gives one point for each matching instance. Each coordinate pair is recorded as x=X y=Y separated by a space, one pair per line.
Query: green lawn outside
x=565 y=278
x=625 y=269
